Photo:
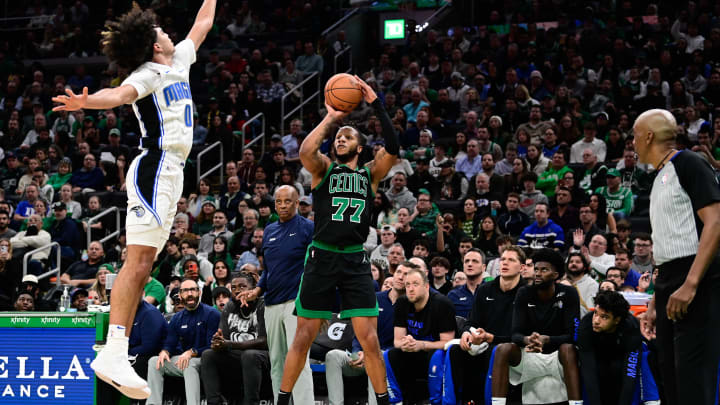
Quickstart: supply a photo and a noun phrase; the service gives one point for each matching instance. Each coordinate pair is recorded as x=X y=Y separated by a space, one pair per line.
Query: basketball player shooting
x=343 y=195
x=159 y=90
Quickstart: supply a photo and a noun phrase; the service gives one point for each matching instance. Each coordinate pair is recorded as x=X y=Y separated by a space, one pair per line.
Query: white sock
x=116 y=339
x=575 y=402
x=498 y=401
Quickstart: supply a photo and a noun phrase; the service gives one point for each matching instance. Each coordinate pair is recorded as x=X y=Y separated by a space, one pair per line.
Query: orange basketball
x=343 y=92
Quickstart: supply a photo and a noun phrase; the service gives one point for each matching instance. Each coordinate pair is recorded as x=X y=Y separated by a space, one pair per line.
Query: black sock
x=382 y=399
x=284 y=398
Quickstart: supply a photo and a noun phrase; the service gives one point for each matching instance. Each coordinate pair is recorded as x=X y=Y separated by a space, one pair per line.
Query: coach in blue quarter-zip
x=284 y=247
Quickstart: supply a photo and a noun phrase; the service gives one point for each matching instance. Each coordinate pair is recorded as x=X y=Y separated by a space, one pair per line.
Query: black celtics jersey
x=343 y=206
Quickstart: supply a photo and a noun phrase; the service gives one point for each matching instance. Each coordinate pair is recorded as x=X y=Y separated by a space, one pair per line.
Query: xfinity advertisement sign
x=47 y=365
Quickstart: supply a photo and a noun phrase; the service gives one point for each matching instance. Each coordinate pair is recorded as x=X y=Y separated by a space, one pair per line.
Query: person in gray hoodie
x=399 y=195
x=531 y=196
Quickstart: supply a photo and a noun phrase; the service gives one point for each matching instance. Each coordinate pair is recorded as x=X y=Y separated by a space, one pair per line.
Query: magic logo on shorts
x=138 y=210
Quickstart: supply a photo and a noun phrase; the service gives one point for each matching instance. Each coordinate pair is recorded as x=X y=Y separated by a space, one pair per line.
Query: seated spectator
x=453 y=185
x=239 y=346
x=219 y=228
x=89 y=177
x=246 y=169
x=82 y=273
x=287 y=178
x=241 y=240
x=423 y=217
x=399 y=195
x=188 y=247
x=564 y=214
x=27 y=178
x=79 y=299
x=114 y=146
x=624 y=263
x=5 y=231
x=474 y=269
x=26 y=207
x=11 y=173
x=173 y=255
x=595 y=173
x=98 y=287
x=387 y=239
x=189 y=334
x=10 y=275
x=536 y=342
x=548 y=180
x=147 y=336
x=74 y=209
x=267 y=216
x=424 y=321
x=24 y=302
x=535 y=127
x=64 y=230
x=154 y=292
x=197 y=198
x=487 y=236
x=230 y=200
x=309 y=61
x=633 y=177
x=253 y=256
x=99 y=228
x=440 y=267
x=221 y=278
x=415 y=105
x=261 y=193
x=513 y=220
x=204 y=221
x=619 y=199
x=219 y=252
x=543 y=233
x=471 y=164
x=530 y=197
x=30 y=239
x=577 y=272
x=589 y=141
x=505 y=167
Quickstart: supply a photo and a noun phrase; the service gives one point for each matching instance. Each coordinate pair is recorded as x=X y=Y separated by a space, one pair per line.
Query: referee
x=685 y=219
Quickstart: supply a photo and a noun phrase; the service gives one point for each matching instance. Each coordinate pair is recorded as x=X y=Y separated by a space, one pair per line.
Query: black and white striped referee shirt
x=683 y=186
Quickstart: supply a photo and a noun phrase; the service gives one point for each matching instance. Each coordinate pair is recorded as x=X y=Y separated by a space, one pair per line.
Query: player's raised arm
x=314 y=161
x=203 y=23
x=386 y=157
x=100 y=100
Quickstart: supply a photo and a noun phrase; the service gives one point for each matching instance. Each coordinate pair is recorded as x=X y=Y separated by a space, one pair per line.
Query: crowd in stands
x=517 y=137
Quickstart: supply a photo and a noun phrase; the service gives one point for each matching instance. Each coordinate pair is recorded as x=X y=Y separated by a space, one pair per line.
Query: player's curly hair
x=129 y=40
x=613 y=302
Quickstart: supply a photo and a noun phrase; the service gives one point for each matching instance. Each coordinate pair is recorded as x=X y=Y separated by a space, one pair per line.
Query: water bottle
x=65 y=301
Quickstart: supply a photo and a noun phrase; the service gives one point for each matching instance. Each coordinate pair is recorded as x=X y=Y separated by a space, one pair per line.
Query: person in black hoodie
x=545 y=319
x=610 y=347
x=491 y=325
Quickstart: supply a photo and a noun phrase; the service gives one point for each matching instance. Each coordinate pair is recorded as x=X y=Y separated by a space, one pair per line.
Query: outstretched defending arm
x=203 y=23
x=100 y=100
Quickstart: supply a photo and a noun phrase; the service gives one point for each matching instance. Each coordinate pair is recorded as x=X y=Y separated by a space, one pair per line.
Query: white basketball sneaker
x=115 y=369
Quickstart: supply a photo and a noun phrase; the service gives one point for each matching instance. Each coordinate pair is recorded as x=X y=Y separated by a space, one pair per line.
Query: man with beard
x=541 y=356
x=610 y=350
x=474 y=268
x=424 y=322
x=493 y=301
x=341 y=191
x=284 y=246
x=79 y=299
x=577 y=273
x=189 y=335
x=238 y=347
x=339 y=364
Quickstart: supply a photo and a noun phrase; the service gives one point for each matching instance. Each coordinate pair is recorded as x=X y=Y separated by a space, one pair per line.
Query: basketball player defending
x=159 y=91
x=343 y=195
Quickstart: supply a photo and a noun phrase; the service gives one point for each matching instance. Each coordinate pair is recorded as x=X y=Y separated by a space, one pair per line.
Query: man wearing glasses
x=643 y=253
x=189 y=334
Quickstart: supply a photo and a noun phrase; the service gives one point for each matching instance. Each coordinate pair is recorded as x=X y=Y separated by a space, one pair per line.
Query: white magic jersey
x=164 y=105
